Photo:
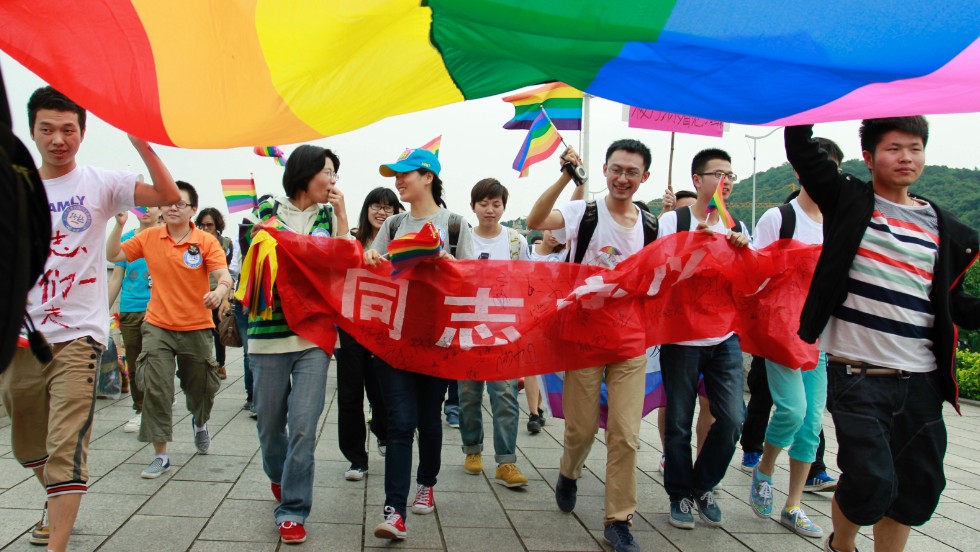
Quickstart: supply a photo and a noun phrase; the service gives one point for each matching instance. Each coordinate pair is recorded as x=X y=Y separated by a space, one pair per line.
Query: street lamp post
x=755 y=144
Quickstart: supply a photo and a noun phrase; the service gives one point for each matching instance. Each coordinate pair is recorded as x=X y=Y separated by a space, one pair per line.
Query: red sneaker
x=424 y=500
x=393 y=526
x=277 y=491
x=292 y=533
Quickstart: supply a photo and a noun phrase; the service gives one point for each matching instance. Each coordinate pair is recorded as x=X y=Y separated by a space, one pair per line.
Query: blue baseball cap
x=410 y=160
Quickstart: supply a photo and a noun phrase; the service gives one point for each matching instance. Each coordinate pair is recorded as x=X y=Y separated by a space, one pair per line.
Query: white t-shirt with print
x=767 y=229
x=611 y=243
x=71 y=299
x=668 y=226
x=498 y=247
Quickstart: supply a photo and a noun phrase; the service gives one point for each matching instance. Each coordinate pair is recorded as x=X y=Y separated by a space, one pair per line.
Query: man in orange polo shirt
x=178 y=322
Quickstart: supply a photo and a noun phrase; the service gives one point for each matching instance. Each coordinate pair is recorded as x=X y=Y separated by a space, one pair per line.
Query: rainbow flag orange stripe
x=542 y=140
x=562 y=103
x=433 y=145
x=239 y=194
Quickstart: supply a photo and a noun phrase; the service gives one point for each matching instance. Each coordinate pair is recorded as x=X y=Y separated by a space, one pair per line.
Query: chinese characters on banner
x=651 y=119
x=503 y=319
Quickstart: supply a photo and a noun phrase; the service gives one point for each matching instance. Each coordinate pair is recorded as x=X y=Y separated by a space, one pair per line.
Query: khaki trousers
x=625 y=384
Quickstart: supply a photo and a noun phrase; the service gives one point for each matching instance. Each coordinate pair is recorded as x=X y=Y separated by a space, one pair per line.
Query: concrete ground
x=221 y=501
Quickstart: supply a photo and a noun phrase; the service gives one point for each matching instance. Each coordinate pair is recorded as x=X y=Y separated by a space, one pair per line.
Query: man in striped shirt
x=885 y=294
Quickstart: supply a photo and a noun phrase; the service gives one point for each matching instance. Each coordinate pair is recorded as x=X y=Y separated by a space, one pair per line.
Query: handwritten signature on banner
x=652 y=119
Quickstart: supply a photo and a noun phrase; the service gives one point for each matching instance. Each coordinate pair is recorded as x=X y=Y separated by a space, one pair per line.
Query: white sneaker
x=355 y=474
x=133 y=425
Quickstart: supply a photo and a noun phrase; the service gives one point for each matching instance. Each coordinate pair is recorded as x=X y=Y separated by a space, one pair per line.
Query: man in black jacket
x=885 y=295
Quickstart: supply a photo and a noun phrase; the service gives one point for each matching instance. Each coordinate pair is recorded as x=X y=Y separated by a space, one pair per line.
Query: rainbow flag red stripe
x=717 y=203
x=562 y=103
x=433 y=145
x=542 y=140
x=239 y=194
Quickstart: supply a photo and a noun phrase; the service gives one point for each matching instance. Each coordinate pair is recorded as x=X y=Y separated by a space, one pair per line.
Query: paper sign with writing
x=672 y=122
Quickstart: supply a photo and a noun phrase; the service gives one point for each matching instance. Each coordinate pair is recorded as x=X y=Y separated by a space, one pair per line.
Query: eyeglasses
x=331 y=175
x=178 y=205
x=732 y=177
x=379 y=207
x=617 y=171
x=206 y=225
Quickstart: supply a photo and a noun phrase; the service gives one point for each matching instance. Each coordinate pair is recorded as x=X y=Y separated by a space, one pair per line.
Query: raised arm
x=113 y=246
x=115 y=283
x=819 y=175
x=164 y=189
x=543 y=215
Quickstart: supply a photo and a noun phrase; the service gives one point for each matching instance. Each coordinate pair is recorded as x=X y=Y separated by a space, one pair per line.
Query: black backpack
x=591 y=219
x=788 y=225
x=27 y=227
x=455 y=222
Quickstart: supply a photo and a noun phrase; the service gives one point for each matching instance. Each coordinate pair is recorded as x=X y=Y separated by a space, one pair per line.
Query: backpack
x=27 y=229
x=455 y=221
x=684 y=222
x=788 y=225
x=591 y=219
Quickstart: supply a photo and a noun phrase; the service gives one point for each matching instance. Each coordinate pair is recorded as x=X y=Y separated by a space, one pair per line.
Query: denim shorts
x=891 y=442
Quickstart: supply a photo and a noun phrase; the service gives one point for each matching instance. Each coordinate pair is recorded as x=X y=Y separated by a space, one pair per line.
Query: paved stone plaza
x=221 y=501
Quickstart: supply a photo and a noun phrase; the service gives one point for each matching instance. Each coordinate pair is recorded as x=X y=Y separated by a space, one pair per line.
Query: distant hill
x=955 y=189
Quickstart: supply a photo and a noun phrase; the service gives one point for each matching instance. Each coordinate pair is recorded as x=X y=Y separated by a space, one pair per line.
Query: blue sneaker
x=796 y=519
x=681 y=513
x=619 y=537
x=708 y=509
x=750 y=460
x=760 y=494
x=565 y=493
x=452 y=418
x=820 y=483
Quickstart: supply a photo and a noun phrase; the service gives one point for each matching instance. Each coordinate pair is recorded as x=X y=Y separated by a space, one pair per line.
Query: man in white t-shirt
x=618 y=233
x=50 y=405
x=492 y=241
x=719 y=359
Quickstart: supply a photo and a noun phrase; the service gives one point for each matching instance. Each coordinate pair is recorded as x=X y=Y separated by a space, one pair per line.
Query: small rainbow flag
x=271 y=151
x=409 y=250
x=138 y=211
x=433 y=145
x=717 y=203
x=542 y=140
x=562 y=103
x=239 y=194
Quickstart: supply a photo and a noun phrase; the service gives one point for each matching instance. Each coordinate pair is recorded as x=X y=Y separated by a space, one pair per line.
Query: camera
x=578 y=173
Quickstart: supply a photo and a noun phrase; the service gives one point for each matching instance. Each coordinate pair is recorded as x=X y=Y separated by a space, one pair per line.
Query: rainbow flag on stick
x=412 y=248
x=433 y=145
x=562 y=103
x=542 y=140
x=271 y=151
x=717 y=203
x=239 y=194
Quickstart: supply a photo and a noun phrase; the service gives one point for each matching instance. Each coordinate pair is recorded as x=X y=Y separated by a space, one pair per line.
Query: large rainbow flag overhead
x=246 y=72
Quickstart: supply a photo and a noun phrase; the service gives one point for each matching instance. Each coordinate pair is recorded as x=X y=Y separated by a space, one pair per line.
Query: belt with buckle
x=855 y=367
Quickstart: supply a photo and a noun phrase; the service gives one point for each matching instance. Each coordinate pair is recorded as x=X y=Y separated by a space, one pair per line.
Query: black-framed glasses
x=379 y=207
x=178 y=204
x=617 y=171
x=732 y=177
x=206 y=225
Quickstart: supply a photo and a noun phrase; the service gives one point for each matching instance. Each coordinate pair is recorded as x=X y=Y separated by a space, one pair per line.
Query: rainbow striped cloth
x=542 y=140
x=239 y=194
x=271 y=151
x=138 y=211
x=258 y=276
x=562 y=103
x=717 y=203
x=433 y=145
x=409 y=250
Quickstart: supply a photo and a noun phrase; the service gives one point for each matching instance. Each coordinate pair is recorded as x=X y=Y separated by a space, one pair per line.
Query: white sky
x=474 y=146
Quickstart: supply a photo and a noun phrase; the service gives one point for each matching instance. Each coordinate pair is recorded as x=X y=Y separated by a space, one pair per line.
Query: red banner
x=503 y=319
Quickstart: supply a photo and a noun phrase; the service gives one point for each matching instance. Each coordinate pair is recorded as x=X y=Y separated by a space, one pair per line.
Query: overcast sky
x=474 y=146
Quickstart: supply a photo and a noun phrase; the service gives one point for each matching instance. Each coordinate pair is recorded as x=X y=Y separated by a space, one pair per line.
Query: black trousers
x=757 y=415
x=355 y=377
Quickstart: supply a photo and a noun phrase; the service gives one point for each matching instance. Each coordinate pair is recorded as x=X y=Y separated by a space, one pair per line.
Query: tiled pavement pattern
x=221 y=501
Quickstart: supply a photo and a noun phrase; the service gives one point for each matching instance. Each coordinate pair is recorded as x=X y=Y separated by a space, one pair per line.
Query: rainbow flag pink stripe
x=409 y=250
x=542 y=140
x=239 y=194
x=138 y=211
x=271 y=151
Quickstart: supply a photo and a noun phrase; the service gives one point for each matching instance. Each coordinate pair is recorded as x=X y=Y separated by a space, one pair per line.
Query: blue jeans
x=413 y=402
x=721 y=366
x=503 y=402
x=290 y=392
x=242 y=320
